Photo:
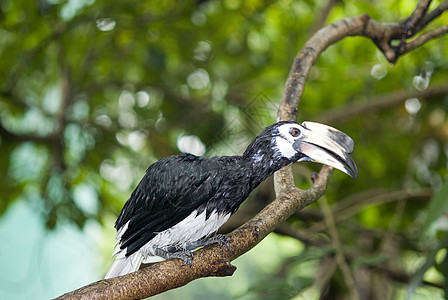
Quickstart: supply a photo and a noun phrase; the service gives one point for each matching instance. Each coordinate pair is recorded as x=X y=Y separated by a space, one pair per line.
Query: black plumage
x=175 y=186
x=166 y=208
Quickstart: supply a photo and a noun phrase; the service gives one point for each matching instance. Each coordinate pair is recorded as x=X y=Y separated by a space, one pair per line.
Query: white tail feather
x=124 y=265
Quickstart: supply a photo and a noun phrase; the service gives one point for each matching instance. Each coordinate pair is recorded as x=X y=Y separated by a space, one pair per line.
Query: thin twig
x=324 y=273
x=359 y=203
x=340 y=257
x=386 y=101
x=435 y=13
x=301 y=235
x=323 y=15
x=426 y=37
x=412 y=23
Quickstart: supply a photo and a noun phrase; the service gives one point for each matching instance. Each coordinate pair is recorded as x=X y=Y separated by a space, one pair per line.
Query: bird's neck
x=263 y=164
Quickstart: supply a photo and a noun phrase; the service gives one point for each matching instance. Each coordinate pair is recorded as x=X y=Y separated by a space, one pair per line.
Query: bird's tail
x=128 y=264
x=124 y=265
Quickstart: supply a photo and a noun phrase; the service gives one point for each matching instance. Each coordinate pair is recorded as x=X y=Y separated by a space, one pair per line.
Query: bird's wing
x=170 y=190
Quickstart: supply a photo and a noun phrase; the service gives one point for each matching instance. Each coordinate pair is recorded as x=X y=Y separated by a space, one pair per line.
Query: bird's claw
x=222 y=240
x=185 y=255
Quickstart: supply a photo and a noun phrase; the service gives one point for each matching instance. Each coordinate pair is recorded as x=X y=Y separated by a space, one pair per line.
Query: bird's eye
x=295 y=132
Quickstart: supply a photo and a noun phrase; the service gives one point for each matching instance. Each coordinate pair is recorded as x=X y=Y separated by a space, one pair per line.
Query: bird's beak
x=326 y=145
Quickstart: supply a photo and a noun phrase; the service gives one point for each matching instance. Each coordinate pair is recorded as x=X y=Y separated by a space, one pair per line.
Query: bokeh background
x=93 y=91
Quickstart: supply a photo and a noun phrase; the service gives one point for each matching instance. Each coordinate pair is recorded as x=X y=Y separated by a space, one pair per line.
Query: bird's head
x=309 y=141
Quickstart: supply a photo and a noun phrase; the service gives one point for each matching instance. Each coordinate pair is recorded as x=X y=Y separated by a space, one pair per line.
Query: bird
x=182 y=200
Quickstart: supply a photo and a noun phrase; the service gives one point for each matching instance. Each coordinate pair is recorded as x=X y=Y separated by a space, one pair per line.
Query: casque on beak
x=326 y=145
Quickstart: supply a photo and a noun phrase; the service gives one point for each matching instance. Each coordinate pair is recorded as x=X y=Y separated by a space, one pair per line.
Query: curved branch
x=380 y=33
x=306 y=58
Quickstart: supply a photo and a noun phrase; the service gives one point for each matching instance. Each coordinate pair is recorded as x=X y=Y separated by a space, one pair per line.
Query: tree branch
x=382 y=34
x=213 y=261
x=417 y=16
x=426 y=37
x=433 y=15
x=306 y=58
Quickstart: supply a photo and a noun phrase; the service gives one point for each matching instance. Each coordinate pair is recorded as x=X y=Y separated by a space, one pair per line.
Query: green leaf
x=437 y=207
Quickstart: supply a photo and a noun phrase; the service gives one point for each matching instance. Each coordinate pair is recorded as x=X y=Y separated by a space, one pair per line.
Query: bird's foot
x=221 y=239
x=185 y=255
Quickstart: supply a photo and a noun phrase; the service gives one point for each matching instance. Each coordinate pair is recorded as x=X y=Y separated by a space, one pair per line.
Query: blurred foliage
x=92 y=92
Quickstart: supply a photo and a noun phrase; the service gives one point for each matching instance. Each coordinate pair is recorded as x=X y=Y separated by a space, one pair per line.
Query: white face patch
x=285 y=140
x=284 y=147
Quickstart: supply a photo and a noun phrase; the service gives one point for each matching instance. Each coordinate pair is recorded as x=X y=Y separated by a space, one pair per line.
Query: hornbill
x=182 y=200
